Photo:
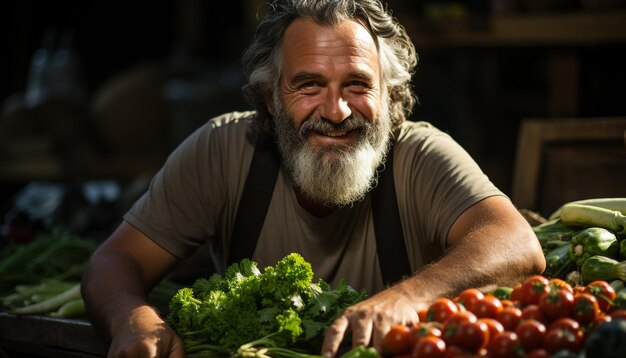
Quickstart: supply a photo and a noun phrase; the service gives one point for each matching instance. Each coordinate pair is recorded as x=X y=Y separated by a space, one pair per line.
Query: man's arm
x=489 y=245
x=115 y=285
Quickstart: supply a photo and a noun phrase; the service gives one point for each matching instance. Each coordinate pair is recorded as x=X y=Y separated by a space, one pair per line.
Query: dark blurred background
x=95 y=93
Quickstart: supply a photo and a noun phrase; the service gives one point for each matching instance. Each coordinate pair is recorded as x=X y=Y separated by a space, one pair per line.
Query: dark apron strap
x=258 y=191
x=255 y=199
x=390 y=245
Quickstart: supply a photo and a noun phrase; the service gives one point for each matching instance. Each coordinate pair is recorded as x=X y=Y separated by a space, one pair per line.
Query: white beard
x=336 y=175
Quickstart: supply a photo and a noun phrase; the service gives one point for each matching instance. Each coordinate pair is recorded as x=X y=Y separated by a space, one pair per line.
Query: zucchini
x=559 y=262
x=593 y=241
x=617 y=204
x=554 y=230
x=603 y=268
x=592 y=216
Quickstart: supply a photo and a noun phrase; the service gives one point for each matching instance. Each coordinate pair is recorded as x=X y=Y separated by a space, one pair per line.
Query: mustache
x=322 y=125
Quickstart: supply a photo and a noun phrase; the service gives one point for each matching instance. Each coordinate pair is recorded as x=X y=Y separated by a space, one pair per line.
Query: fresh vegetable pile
x=584 y=241
x=540 y=317
x=43 y=276
x=279 y=312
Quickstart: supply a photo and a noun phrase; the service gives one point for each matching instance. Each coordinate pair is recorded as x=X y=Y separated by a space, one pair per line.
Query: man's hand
x=146 y=335
x=370 y=320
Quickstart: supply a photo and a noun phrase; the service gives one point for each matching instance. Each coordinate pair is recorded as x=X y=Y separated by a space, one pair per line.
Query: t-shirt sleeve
x=441 y=181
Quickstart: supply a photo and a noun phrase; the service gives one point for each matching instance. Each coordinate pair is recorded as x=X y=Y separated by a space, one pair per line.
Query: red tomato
x=424 y=329
x=397 y=341
x=505 y=345
x=538 y=353
x=441 y=309
x=472 y=336
x=556 y=303
x=469 y=297
x=532 y=289
x=460 y=317
x=421 y=314
x=488 y=307
x=509 y=317
x=604 y=292
x=494 y=326
x=429 y=347
x=565 y=323
x=455 y=352
x=557 y=339
x=534 y=312
x=516 y=294
x=509 y=303
x=586 y=308
x=531 y=334
x=564 y=333
x=557 y=282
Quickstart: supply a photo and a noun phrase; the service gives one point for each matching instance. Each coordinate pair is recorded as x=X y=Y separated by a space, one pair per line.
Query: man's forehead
x=306 y=35
x=307 y=41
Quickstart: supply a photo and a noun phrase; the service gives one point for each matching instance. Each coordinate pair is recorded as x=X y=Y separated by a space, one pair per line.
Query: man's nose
x=335 y=108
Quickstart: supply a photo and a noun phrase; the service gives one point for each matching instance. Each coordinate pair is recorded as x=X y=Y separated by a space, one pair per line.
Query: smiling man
x=327 y=166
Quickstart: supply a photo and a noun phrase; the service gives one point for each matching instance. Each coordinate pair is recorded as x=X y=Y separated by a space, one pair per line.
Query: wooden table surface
x=41 y=336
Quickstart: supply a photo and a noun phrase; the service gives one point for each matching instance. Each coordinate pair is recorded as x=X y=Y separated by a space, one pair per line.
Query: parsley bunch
x=279 y=312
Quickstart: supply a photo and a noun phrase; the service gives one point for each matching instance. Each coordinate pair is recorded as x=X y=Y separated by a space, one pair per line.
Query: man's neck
x=314 y=208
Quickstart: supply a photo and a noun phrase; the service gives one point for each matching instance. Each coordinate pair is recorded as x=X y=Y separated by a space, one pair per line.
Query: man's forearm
x=489 y=258
x=113 y=291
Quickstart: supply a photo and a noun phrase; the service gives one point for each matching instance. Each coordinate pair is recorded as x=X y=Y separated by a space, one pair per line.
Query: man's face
x=331 y=122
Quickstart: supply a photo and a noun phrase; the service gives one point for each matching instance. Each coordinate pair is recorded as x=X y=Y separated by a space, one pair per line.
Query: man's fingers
x=334 y=336
x=361 y=331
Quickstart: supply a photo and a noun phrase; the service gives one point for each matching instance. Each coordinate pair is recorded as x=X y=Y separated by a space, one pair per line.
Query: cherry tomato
x=532 y=289
x=472 y=336
x=421 y=314
x=429 y=347
x=397 y=341
x=441 y=309
x=488 y=307
x=565 y=323
x=455 y=352
x=538 y=353
x=604 y=292
x=557 y=339
x=424 y=329
x=531 y=334
x=469 y=297
x=509 y=317
x=516 y=293
x=459 y=317
x=534 y=312
x=505 y=344
x=563 y=333
x=556 y=303
x=555 y=282
x=494 y=326
x=586 y=308
x=509 y=303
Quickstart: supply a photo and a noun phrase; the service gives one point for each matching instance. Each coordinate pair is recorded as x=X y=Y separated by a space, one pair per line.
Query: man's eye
x=357 y=85
x=309 y=84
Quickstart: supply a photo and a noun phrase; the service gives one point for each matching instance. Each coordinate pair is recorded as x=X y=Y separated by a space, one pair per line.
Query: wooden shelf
x=549 y=29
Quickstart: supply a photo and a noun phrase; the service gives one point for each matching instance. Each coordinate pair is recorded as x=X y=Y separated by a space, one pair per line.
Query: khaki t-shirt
x=193 y=201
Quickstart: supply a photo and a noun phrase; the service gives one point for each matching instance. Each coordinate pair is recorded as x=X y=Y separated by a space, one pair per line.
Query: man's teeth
x=336 y=133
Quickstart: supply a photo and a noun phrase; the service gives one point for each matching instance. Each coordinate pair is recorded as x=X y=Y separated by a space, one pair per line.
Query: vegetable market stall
x=42 y=336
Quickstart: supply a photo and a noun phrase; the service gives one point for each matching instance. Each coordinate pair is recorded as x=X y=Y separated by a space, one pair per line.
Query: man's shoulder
x=412 y=130
x=233 y=119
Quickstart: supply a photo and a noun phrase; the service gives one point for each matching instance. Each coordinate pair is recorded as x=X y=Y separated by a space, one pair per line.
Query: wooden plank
x=550 y=29
x=41 y=333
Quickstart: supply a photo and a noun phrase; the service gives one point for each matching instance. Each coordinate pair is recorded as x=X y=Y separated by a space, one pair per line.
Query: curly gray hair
x=261 y=60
